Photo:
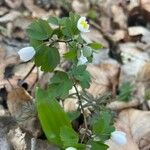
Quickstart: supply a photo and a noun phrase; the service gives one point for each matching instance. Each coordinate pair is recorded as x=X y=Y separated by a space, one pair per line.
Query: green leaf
x=52 y=117
x=73 y=115
x=54 y=20
x=71 y=55
x=60 y=85
x=47 y=57
x=87 y=51
x=68 y=136
x=36 y=44
x=147 y=94
x=99 y=146
x=39 y=30
x=69 y=25
x=92 y=14
x=125 y=92
x=102 y=125
x=81 y=75
x=95 y=46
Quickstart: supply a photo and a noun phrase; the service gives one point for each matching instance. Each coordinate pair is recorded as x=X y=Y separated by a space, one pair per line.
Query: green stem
x=83 y=112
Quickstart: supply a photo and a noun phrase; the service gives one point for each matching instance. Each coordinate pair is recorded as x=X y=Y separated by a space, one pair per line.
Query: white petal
x=26 y=53
x=80 y=27
x=119 y=137
x=70 y=148
x=82 y=60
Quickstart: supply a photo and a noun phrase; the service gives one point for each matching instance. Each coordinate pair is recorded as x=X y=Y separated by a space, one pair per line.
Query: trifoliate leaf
x=102 y=125
x=47 y=58
x=69 y=25
x=60 y=85
x=81 y=75
x=54 y=20
x=39 y=30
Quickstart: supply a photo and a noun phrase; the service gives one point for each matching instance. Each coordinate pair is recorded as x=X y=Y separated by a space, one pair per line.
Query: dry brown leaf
x=136 y=124
x=119 y=16
x=146 y=5
x=16 y=99
x=36 y=11
x=13 y=3
x=105 y=77
x=12 y=15
x=81 y=6
x=3 y=10
x=133 y=58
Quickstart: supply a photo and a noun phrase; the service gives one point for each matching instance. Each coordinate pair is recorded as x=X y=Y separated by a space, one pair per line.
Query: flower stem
x=82 y=111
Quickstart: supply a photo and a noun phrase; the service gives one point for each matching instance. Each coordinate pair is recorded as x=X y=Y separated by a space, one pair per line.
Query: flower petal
x=82 y=25
x=82 y=60
x=70 y=148
x=119 y=137
x=26 y=53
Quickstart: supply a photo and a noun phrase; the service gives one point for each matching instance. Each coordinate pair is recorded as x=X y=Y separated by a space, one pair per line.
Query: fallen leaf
x=81 y=7
x=12 y=15
x=105 y=77
x=136 y=125
x=13 y=4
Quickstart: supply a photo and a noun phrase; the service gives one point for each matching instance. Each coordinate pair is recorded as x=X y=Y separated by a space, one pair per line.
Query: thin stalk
x=83 y=112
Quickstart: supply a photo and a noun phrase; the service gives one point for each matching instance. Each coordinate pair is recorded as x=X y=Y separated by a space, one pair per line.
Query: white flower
x=26 y=53
x=70 y=148
x=119 y=137
x=82 y=59
x=83 y=25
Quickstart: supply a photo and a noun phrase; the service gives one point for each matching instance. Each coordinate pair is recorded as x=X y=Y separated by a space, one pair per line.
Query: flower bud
x=82 y=59
x=26 y=53
x=119 y=137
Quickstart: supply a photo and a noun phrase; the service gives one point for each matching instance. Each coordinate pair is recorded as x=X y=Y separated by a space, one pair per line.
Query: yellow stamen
x=84 y=24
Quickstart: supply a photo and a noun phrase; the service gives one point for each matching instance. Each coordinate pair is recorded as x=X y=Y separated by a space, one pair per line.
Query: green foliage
x=69 y=25
x=97 y=145
x=47 y=58
x=125 y=92
x=70 y=137
x=102 y=125
x=54 y=121
x=71 y=55
x=87 y=51
x=73 y=115
x=92 y=14
x=95 y=46
x=39 y=30
x=82 y=76
x=147 y=94
x=54 y=20
x=60 y=85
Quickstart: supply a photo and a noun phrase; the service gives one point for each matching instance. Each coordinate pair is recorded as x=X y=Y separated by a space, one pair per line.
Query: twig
x=28 y=74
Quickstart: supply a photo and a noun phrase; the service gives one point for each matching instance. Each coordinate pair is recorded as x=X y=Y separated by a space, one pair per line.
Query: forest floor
x=122 y=27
